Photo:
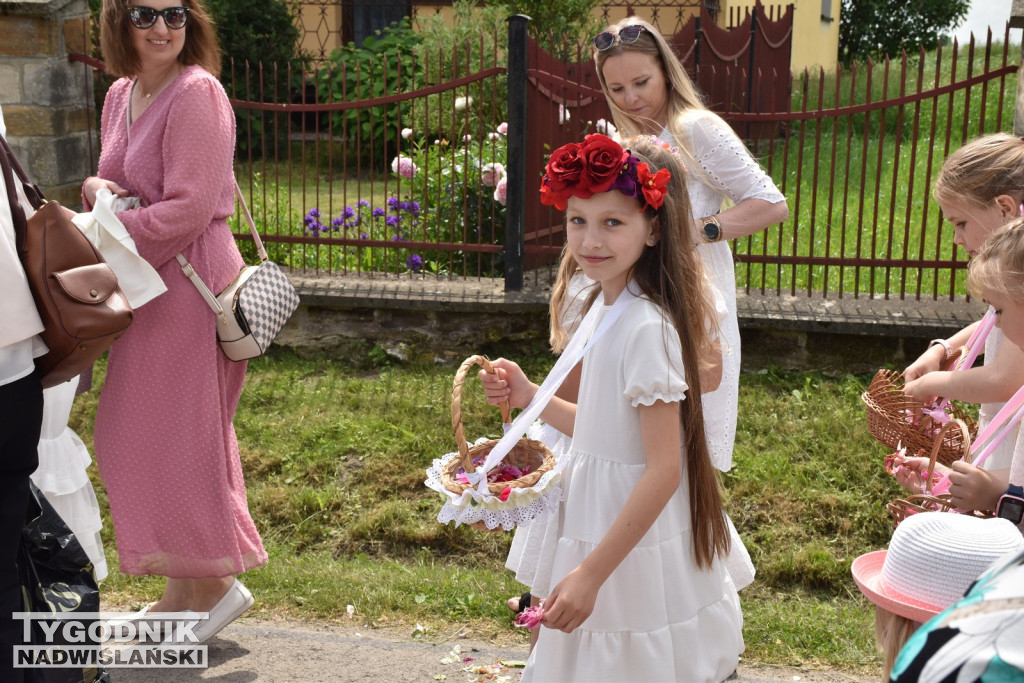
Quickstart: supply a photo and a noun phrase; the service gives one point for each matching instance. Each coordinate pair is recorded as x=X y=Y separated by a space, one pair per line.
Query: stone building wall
x=44 y=96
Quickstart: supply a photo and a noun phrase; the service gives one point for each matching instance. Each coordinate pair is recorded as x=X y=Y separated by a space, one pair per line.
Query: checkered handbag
x=252 y=309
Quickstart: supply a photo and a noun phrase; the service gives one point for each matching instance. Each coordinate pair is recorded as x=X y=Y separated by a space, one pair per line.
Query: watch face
x=1011 y=508
x=712 y=231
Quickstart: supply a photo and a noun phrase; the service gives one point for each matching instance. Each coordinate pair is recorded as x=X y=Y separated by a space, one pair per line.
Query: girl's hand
x=507 y=383
x=571 y=601
x=929 y=361
x=927 y=388
x=911 y=472
x=972 y=488
x=93 y=184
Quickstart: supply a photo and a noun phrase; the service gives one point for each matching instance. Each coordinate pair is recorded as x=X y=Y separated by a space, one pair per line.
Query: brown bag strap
x=17 y=211
x=32 y=192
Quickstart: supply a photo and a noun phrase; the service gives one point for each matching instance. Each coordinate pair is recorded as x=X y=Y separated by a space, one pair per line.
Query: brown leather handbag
x=80 y=303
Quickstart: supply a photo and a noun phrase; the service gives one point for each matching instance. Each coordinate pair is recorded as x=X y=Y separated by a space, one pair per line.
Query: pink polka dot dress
x=164 y=438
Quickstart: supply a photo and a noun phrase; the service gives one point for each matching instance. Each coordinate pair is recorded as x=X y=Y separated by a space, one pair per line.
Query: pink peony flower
x=501 y=191
x=406 y=133
x=403 y=166
x=503 y=128
x=530 y=617
x=490 y=174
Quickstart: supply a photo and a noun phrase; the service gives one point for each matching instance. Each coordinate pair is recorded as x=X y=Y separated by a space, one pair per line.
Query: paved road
x=255 y=650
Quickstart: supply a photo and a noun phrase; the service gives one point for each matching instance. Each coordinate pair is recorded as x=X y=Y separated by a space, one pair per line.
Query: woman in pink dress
x=164 y=438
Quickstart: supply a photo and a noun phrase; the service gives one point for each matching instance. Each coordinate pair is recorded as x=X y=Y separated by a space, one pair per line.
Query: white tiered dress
x=657 y=617
x=62 y=474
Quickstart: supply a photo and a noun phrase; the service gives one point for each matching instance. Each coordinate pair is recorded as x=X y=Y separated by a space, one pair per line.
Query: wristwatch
x=1011 y=504
x=711 y=230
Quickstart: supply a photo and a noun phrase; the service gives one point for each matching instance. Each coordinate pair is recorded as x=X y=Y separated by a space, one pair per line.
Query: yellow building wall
x=815 y=42
x=815 y=39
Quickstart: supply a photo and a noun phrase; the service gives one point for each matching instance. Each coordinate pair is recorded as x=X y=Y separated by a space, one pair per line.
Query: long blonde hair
x=671 y=274
x=892 y=632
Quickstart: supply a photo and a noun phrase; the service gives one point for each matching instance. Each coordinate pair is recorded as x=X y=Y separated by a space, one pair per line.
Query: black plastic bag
x=56 y=576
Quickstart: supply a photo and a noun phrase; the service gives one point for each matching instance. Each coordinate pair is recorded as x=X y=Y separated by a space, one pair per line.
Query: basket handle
x=937 y=446
x=460 y=378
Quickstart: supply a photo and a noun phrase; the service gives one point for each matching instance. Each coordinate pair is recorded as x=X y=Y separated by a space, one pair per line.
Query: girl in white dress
x=979 y=189
x=649 y=92
x=640 y=591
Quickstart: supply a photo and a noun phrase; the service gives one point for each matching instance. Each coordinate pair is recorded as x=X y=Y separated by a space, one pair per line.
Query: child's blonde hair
x=892 y=632
x=671 y=274
x=982 y=170
x=999 y=264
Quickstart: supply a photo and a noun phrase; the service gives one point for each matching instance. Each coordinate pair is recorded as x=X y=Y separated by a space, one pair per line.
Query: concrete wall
x=43 y=95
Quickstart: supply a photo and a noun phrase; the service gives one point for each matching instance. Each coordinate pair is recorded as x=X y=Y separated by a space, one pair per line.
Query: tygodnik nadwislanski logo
x=110 y=640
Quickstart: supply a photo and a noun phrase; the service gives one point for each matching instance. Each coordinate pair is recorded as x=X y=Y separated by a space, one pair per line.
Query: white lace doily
x=471 y=506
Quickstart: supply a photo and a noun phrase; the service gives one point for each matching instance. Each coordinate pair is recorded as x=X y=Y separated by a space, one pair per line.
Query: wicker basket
x=901 y=508
x=897 y=420
x=527 y=454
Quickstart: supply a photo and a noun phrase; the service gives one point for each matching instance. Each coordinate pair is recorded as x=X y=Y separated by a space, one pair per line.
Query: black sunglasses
x=144 y=17
x=627 y=36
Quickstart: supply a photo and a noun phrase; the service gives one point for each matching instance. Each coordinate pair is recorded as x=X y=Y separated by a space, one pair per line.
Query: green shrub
x=383 y=65
x=259 y=40
x=473 y=41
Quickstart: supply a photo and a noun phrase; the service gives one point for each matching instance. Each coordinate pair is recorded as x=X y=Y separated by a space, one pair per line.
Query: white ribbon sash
x=581 y=342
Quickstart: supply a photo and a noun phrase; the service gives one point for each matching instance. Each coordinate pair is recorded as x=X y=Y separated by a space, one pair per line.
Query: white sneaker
x=234 y=603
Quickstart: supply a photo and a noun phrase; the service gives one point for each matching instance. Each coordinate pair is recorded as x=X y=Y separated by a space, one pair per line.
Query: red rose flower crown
x=599 y=164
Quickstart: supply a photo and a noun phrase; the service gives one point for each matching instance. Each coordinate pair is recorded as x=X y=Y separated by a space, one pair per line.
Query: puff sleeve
x=653 y=365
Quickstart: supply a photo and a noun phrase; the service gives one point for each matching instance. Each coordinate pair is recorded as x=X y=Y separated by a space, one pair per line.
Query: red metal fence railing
x=856 y=160
x=856 y=157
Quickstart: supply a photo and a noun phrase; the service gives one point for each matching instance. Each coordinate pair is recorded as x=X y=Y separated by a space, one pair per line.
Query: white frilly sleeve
x=653 y=367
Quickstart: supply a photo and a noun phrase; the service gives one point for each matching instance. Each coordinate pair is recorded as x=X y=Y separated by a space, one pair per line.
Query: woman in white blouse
x=649 y=93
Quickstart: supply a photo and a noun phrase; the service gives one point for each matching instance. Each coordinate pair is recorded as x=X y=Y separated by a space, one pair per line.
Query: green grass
x=334 y=454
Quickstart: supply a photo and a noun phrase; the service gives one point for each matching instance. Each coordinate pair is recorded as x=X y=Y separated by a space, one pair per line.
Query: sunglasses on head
x=627 y=36
x=144 y=17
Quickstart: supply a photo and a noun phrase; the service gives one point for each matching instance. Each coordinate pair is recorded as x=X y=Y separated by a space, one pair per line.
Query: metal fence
x=855 y=157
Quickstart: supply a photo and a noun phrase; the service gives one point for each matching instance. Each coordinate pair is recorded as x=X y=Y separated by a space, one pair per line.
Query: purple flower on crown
x=626 y=182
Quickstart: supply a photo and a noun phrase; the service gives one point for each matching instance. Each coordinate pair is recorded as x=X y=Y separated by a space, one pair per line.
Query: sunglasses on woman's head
x=144 y=17
x=627 y=36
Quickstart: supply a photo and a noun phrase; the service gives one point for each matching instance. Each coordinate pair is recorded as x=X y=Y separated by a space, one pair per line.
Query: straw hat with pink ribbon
x=932 y=559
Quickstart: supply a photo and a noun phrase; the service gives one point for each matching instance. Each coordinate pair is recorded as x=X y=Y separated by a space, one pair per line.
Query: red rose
x=562 y=175
x=602 y=161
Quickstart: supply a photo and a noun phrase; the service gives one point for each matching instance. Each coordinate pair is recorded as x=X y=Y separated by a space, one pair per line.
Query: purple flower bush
x=460 y=195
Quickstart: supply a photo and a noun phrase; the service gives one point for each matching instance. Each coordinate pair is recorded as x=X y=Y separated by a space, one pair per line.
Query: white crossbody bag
x=254 y=307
